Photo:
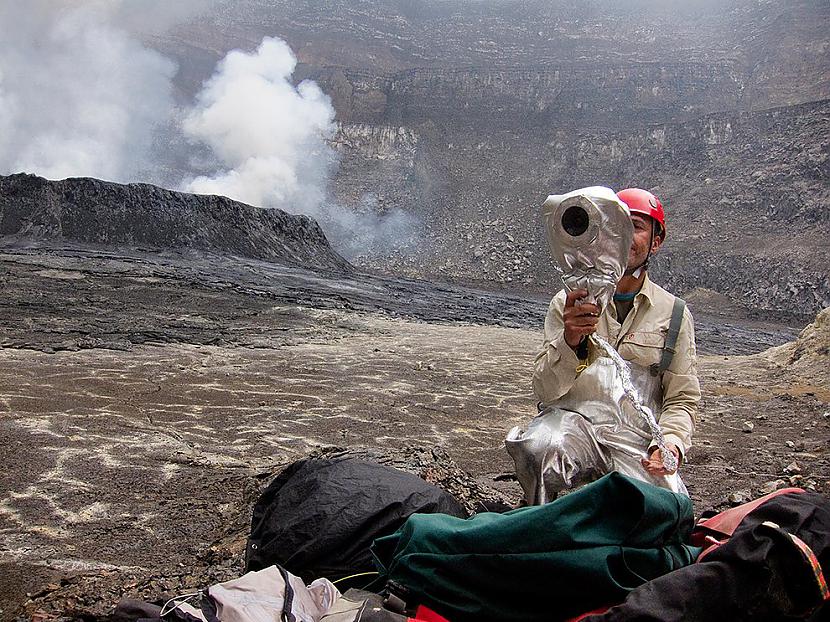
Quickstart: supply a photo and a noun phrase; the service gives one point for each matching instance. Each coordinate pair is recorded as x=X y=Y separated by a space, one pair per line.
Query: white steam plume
x=78 y=94
x=270 y=135
x=270 y=138
x=365 y=232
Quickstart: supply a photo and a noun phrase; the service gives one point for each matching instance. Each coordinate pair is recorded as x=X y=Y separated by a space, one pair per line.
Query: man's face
x=641 y=240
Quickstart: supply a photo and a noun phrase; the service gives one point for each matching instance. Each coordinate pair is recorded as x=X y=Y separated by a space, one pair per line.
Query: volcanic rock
x=739 y=497
x=792 y=469
x=809 y=355
x=97 y=212
x=771 y=486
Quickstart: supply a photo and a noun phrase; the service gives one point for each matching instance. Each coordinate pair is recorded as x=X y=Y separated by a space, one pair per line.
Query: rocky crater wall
x=780 y=48
x=466 y=115
x=746 y=193
x=562 y=93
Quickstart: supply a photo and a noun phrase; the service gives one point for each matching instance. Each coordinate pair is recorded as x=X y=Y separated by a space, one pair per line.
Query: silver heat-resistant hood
x=589 y=231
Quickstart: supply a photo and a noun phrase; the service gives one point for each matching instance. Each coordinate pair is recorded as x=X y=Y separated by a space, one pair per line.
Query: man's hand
x=654 y=463
x=580 y=320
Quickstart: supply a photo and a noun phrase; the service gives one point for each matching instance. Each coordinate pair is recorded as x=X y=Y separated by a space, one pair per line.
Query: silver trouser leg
x=558 y=450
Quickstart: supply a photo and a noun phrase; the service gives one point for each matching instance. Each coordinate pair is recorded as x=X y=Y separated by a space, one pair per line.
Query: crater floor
x=147 y=398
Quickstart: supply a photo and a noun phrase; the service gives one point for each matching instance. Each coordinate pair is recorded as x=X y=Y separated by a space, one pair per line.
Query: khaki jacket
x=639 y=339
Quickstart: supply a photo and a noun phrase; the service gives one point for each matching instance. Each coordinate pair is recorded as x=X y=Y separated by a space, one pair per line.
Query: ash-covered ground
x=147 y=397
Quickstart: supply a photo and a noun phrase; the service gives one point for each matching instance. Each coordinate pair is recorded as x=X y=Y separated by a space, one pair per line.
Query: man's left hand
x=654 y=463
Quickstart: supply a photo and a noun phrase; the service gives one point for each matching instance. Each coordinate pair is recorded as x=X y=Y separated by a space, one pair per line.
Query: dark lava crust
x=92 y=211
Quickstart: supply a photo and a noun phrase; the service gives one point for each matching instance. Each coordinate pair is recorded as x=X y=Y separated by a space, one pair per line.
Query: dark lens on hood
x=575 y=221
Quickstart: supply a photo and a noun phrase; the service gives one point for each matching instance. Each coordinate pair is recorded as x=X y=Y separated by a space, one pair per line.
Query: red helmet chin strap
x=644 y=264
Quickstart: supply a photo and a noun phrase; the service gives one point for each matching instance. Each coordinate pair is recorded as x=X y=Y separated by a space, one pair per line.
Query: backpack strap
x=671 y=337
x=720 y=527
x=288 y=597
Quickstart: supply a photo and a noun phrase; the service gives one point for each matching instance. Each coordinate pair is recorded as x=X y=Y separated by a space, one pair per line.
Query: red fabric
x=425 y=614
x=718 y=528
x=588 y=613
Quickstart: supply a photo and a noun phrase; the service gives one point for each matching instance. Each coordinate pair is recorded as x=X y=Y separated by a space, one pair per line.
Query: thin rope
x=353 y=576
x=177 y=600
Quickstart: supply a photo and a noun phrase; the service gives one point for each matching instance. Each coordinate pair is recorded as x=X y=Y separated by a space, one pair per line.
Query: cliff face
x=565 y=94
x=780 y=48
x=97 y=212
x=746 y=195
x=466 y=115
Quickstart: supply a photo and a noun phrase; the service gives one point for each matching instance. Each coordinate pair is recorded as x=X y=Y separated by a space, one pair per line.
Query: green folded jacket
x=549 y=562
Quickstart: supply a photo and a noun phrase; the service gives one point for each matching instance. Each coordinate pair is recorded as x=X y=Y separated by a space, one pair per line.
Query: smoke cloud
x=78 y=95
x=366 y=231
x=270 y=135
x=270 y=138
x=81 y=95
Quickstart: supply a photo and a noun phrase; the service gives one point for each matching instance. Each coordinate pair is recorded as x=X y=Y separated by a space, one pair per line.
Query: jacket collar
x=647 y=290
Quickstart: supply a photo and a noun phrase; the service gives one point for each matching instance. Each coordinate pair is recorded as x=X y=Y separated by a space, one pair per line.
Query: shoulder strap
x=714 y=531
x=671 y=337
x=288 y=596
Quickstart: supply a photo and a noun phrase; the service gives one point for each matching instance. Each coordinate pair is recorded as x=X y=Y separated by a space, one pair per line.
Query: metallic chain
x=669 y=459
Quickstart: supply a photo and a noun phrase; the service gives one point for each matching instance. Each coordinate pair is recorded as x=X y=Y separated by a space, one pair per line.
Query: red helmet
x=643 y=202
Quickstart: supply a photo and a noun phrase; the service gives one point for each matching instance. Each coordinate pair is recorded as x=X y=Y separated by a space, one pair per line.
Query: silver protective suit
x=588 y=433
x=594 y=428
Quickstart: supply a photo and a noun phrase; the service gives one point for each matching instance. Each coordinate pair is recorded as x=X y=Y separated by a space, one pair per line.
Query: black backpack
x=319 y=517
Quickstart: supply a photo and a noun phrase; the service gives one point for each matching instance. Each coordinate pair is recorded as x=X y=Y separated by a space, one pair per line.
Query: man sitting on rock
x=595 y=429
